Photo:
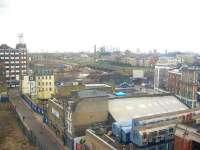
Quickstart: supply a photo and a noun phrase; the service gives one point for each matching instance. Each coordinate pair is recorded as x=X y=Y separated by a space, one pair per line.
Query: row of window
x=9 y=53
x=44 y=77
x=12 y=75
x=44 y=89
x=69 y=127
x=186 y=93
x=44 y=83
x=8 y=67
x=12 y=70
x=9 y=58
x=6 y=52
x=12 y=62
x=69 y=116
x=13 y=66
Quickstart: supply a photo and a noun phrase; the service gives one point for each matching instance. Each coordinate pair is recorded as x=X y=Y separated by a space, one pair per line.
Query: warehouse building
x=70 y=116
x=136 y=114
x=136 y=107
x=73 y=99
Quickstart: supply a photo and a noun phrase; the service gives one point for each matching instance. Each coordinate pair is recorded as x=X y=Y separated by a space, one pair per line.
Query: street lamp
x=30 y=82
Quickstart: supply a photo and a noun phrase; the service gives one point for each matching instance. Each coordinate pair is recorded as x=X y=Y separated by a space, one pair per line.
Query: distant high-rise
x=14 y=62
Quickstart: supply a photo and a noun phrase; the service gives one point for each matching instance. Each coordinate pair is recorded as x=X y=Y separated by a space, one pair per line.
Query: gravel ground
x=11 y=136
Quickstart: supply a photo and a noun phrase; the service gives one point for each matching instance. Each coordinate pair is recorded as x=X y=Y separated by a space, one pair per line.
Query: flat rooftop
x=125 y=109
x=96 y=85
x=92 y=93
x=175 y=71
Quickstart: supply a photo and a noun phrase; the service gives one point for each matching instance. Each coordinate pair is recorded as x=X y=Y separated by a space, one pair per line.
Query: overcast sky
x=75 y=25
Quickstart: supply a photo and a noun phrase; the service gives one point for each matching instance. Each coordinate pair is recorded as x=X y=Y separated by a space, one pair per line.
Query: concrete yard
x=11 y=136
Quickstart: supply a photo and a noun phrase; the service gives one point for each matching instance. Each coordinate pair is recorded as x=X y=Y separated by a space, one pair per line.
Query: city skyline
x=78 y=25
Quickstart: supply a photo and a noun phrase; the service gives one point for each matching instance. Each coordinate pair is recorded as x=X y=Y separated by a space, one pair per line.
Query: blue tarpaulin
x=120 y=94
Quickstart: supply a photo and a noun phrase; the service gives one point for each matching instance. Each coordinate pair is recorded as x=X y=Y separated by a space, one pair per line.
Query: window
x=42 y=77
x=190 y=94
x=46 y=77
x=69 y=128
x=70 y=116
x=42 y=83
x=50 y=77
x=50 y=89
x=39 y=83
x=46 y=83
x=49 y=83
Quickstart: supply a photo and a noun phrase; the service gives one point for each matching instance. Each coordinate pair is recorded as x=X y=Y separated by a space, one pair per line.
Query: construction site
x=11 y=135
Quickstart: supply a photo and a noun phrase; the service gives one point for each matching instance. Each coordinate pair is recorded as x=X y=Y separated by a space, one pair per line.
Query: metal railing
x=29 y=134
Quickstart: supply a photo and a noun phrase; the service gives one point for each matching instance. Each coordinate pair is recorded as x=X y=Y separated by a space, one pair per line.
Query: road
x=34 y=122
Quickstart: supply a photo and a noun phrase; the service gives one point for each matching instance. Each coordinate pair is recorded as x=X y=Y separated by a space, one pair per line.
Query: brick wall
x=182 y=144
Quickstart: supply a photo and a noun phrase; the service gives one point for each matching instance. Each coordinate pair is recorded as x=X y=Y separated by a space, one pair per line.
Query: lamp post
x=30 y=82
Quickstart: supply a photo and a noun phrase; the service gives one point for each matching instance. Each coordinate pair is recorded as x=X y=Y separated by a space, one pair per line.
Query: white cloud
x=79 y=24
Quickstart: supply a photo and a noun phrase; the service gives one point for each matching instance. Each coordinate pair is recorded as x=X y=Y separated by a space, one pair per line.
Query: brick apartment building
x=174 y=79
x=185 y=83
x=190 y=86
x=14 y=62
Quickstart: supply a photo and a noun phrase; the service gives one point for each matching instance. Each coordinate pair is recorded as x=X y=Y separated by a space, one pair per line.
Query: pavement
x=34 y=122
